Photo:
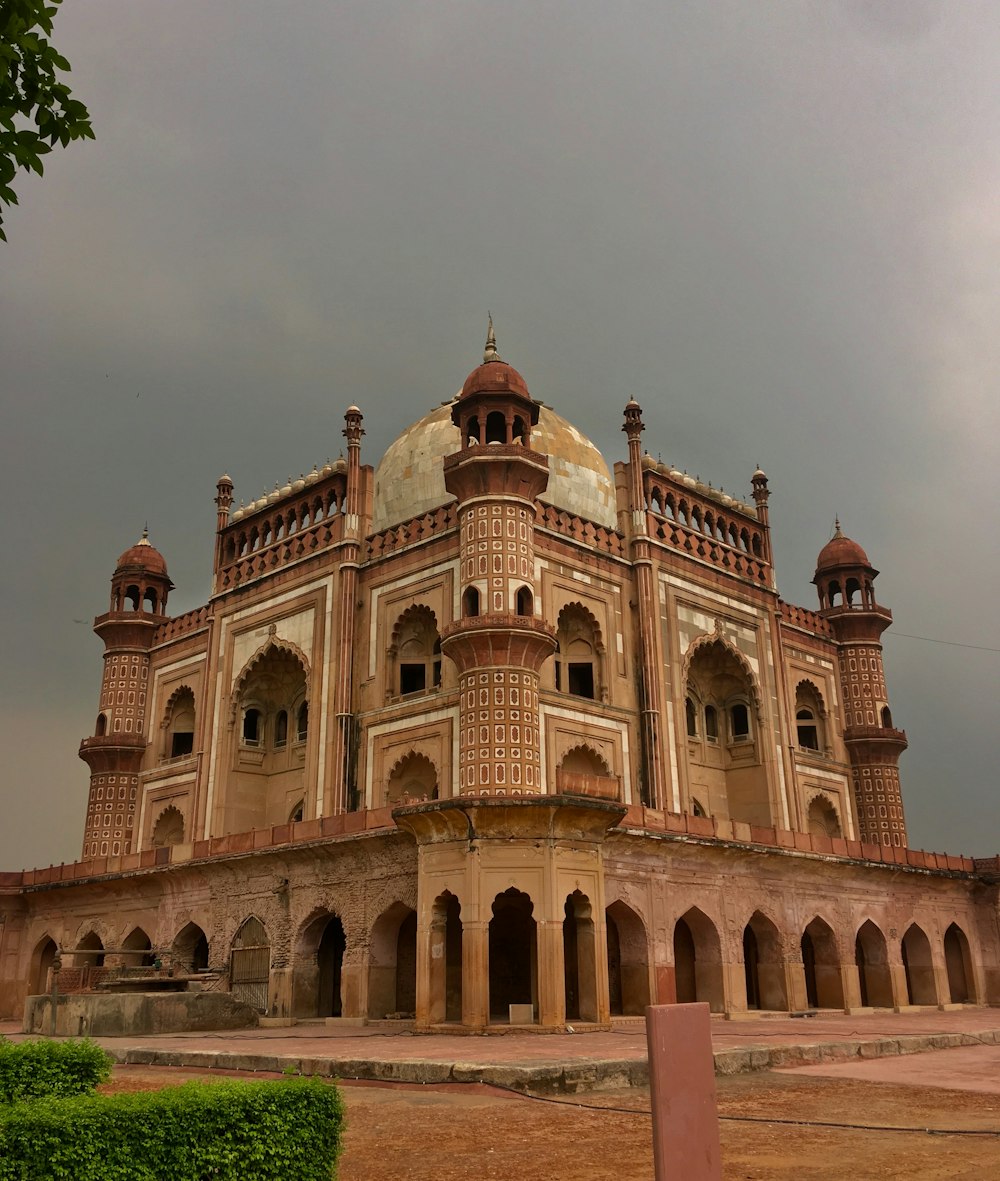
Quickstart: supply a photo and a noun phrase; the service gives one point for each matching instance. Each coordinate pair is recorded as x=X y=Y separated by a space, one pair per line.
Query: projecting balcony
x=107 y=752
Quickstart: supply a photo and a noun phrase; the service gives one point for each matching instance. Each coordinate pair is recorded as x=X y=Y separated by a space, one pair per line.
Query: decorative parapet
x=732 y=559
x=417 y=529
x=805 y=620
x=183 y=625
x=577 y=529
x=254 y=555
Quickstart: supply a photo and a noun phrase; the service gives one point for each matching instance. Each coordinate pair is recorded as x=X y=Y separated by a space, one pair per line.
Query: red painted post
x=682 y=1091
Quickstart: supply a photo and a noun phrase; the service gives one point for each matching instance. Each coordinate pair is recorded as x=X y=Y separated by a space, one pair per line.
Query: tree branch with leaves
x=37 y=111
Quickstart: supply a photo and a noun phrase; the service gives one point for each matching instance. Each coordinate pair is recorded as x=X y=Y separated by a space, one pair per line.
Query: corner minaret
x=139 y=589
x=844 y=579
x=500 y=641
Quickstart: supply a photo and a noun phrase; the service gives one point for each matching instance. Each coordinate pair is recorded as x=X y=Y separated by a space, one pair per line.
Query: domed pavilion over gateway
x=490 y=733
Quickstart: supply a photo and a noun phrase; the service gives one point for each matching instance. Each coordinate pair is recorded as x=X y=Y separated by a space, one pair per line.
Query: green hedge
x=228 y=1131
x=30 y=1070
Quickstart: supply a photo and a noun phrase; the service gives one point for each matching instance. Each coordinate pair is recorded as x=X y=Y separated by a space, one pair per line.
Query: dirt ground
x=455 y=1133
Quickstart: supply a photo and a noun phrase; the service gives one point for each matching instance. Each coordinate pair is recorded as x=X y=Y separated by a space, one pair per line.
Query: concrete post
x=682 y=1091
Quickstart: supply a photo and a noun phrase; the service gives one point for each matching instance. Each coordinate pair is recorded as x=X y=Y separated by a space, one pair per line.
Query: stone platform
x=558 y=1063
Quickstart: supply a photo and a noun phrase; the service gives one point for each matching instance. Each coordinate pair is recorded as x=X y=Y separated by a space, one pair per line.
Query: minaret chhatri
x=500 y=641
x=845 y=581
x=139 y=589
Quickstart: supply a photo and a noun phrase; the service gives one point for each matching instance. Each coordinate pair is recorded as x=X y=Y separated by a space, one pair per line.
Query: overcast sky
x=774 y=224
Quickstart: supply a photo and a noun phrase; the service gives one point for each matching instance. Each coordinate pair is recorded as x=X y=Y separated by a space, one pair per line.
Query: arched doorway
x=628 y=961
x=89 y=951
x=446 y=959
x=921 y=988
x=137 y=950
x=579 y=959
x=190 y=949
x=872 y=959
x=764 y=965
x=513 y=950
x=958 y=962
x=330 y=964
x=698 y=960
x=821 y=965
x=392 y=963
x=42 y=959
x=250 y=965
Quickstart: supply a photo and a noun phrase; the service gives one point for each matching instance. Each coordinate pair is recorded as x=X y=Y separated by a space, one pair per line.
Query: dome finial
x=490 y=353
x=837 y=531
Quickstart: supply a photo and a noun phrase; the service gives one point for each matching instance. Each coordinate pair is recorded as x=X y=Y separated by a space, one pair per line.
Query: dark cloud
x=775 y=225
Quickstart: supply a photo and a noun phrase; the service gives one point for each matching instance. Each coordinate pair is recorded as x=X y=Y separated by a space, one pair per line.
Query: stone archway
x=42 y=958
x=958 y=962
x=764 y=965
x=698 y=961
x=392 y=963
x=513 y=955
x=628 y=961
x=872 y=959
x=821 y=966
x=579 y=959
x=446 y=989
x=190 y=948
x=921 y=987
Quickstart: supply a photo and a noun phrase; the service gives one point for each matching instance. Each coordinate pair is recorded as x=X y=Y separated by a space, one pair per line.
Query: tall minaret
x=139 y=589
x=500 y=641
x=844 y=578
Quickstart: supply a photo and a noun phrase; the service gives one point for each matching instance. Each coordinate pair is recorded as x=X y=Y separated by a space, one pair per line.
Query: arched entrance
x=821 y=964
x=579 y=959
x=392 y=963
x=921 y=988
x=190 y=949
x=628 y=961
x=958 y=962
x=446 y=959
x=872 y=959
x=89 y=951
x=330 y=964
x=250 y=965
x=698 y=961
x=42 y=959
x=137 y=950
x=764 y=965
x=513 y=951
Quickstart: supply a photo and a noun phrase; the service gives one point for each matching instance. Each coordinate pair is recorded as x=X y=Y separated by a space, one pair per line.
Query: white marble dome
x=410 y=479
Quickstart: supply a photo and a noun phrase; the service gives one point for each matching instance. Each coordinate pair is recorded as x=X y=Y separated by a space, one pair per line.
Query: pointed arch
x=190 y=948
x=709 y=640
x=698 y=972
x=958 y=965
x=821 y=965
x=764 y=964
x=583 y=759
x=271 y=644
x=413 y=777
x=628 y=960
x=250 y=964
x=42 y=959
x=871 y=957
x=392 y=963
x=178 y=723
x=169 y=828
x=415 y=652
x=915 y=947
x=579 y=652
x=822 y=817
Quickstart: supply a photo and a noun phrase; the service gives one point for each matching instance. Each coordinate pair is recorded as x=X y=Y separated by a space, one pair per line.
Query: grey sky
x=775 y=224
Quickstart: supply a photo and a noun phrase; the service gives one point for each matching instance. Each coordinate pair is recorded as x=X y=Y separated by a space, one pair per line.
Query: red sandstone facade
x=490 y=726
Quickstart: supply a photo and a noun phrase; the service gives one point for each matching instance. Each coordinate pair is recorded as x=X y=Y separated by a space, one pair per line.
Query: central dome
x=410 y=479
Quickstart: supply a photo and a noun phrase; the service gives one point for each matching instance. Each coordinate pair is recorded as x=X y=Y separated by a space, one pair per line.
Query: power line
x=950 y=643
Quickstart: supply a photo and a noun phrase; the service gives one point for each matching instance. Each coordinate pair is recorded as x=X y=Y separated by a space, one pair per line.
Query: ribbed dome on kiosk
x=410 y=479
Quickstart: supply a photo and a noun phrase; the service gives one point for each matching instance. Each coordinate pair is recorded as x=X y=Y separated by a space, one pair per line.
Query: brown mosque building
x=493 y=733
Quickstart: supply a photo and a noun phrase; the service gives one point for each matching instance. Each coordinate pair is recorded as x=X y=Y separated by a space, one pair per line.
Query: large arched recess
x=764 y=964
x=513 y=950
x=821 y=965
x=698 y=961
x=628 y=961
x=958 y=962
x=392 y=963
x=318 y=969
x=871 y=956
x=42 y=959
x=921 y=986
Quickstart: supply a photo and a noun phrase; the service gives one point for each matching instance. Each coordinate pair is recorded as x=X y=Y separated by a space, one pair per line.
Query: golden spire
x=490 y=353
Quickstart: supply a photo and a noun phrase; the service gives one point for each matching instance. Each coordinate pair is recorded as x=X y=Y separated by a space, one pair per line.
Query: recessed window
x=252 y=727
x=281 y=728
x=691 y=714
x=412 y=678
x=805 y=724
x=739 y=718
x=302 y=722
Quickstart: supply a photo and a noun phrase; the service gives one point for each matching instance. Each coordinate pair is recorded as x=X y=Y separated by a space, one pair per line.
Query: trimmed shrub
x=227 y=1131
x=30 y=1070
